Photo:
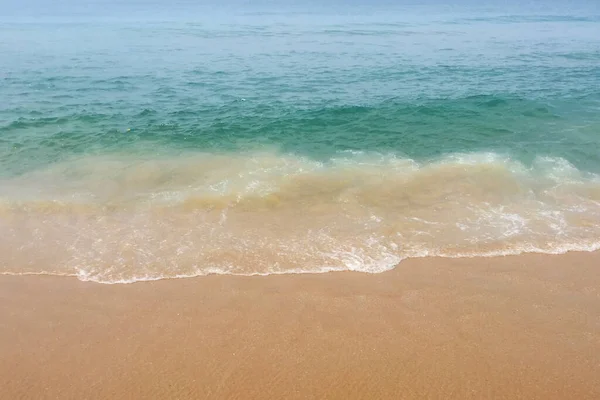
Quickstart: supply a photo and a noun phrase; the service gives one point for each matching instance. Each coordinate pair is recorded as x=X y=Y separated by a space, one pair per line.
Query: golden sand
x=524 y=327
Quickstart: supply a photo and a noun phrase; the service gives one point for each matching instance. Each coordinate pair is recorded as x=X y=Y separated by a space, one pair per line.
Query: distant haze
x=72 y=10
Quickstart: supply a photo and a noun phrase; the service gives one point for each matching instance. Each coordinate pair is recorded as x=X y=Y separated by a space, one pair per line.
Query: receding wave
x=124 y=218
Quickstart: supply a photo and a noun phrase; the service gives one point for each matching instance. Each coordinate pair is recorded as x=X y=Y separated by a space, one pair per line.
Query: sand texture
x=522 y=327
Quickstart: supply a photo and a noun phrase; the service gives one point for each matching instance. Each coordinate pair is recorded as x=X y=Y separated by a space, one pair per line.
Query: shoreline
x=525 y=326
x=292 y=272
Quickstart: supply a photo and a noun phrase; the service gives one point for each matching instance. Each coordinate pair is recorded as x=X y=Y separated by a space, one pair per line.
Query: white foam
x=352 y=261
x=542 y=208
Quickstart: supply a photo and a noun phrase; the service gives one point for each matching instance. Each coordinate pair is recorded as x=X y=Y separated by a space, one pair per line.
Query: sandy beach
x=522 y=327
x=299 y=200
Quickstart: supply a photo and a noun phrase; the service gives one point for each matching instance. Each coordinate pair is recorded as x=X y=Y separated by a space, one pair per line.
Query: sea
x=145 y=139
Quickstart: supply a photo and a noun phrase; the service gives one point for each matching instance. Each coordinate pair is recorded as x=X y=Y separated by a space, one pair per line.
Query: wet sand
x=524 y=327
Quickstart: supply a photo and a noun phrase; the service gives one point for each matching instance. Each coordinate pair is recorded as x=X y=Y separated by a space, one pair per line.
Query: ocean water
x=141 y=142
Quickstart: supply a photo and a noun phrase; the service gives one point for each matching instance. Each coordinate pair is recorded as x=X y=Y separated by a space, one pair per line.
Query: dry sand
x=525 y=327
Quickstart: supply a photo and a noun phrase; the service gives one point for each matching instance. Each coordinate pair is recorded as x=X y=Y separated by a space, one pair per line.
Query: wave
x=126 y=218
x=420 y=128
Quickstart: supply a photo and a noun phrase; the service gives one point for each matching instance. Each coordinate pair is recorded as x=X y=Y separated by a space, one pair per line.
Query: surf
x=124 y=218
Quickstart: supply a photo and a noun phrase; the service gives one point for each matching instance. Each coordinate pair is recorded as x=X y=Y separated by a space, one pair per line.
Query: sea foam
x=124 y=218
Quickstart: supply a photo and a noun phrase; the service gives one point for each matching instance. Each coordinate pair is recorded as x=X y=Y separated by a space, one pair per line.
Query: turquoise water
x=155 y=145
